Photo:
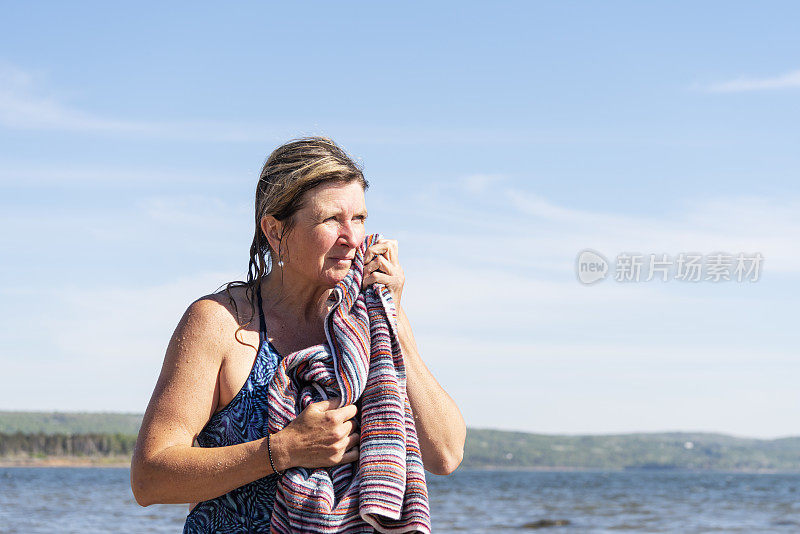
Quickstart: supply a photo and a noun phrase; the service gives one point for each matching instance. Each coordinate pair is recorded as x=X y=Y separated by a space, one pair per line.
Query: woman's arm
x=167 y=469
x=440 y=426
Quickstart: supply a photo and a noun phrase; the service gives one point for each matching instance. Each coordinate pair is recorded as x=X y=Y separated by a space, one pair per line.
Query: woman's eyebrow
x=324 y=213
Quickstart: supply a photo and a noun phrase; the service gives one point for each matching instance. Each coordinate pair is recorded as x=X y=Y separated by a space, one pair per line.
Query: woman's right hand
x=322 y=435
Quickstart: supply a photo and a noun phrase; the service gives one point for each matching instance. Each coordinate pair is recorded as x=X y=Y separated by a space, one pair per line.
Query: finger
x=376 y=250
x=380 y=278
x=346 y=412
x=367 y=268
x=380 y=266
x=327 y=404
x=350 y=456
x=366 y=282
x=353 y=440
x=380 y=262
x=392 y=250
x=350 y=425
x=384 y=265
x=369 y=280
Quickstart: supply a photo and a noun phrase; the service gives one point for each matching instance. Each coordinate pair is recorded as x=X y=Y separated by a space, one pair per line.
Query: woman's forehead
x=333 y=208
x=342 y=198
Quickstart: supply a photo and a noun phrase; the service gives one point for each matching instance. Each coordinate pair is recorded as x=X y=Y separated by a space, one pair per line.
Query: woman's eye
x=357 y=217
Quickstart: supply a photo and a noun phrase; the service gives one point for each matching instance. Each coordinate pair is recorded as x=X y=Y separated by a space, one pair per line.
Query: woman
x=310 y=215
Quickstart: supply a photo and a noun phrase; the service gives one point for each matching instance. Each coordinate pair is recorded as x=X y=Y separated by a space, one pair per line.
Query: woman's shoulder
x=210 y=327
x=227 y=309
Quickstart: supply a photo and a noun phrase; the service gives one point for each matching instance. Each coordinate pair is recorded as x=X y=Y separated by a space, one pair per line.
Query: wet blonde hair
x=291 y=170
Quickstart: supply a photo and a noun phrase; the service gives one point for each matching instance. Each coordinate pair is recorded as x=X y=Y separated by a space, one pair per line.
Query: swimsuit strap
x=262 y=333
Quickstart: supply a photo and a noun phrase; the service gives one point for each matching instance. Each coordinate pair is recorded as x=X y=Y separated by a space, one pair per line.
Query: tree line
x=493 y=448
x=38 y=444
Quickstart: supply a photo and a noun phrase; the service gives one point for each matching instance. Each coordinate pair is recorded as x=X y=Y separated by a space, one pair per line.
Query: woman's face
x=327 y=231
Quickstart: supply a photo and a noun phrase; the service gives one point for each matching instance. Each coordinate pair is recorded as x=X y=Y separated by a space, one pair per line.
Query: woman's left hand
x=382 y=266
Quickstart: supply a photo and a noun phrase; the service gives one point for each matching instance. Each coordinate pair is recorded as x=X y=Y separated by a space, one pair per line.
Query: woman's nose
x=351 y=233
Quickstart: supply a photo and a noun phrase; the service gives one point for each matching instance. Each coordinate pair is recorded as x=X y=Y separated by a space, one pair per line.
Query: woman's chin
x=334 y=276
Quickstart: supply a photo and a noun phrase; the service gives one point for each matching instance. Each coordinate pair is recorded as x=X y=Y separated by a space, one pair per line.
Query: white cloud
x=196 y=212
x=22 y=105
x=508 y=225
x=33 y=176
x=480 y=183
x=572 y=387
x=149 y=224
x=790 y=80
x=25 y=104
x=102 y=347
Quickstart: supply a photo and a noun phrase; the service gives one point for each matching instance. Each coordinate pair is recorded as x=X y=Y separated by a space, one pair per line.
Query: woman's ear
x=271 y=228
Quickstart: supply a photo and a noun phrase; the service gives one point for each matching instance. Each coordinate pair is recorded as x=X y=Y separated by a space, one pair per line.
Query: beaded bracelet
x=269 y=453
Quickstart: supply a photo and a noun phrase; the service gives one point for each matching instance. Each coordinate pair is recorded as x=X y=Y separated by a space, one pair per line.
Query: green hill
x=54 y=434
x=676 y=450
x=69 y=423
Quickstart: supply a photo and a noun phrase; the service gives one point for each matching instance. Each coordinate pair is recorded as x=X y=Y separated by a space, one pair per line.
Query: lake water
x=34 y=500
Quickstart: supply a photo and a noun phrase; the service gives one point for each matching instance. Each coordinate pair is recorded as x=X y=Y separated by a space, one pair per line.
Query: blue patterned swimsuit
x=249 y=507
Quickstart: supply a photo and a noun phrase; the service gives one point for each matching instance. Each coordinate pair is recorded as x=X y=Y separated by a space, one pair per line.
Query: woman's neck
x=295 y=301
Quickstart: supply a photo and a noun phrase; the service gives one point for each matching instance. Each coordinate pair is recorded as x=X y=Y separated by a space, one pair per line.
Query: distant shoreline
x=562 y=469
x=119 y=462
x=30 y=439
x=66 y=461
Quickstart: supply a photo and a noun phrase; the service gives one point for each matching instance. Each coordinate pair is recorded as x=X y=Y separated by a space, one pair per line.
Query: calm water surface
x=34 y=500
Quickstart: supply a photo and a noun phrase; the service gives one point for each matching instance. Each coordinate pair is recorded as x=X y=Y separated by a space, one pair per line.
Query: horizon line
x=549 y=434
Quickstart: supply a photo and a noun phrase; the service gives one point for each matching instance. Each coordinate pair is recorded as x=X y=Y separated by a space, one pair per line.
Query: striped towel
x=362 y=363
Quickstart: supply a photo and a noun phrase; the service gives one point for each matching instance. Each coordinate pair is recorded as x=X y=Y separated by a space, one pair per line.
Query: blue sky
x=499 y=141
